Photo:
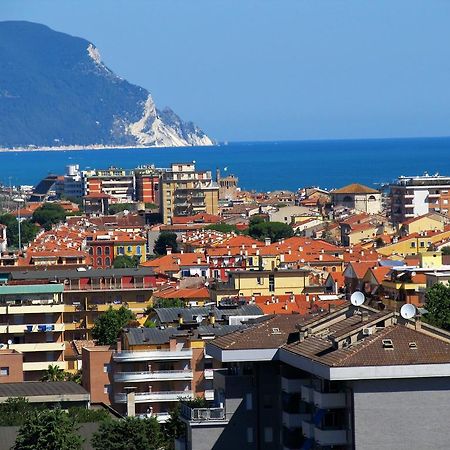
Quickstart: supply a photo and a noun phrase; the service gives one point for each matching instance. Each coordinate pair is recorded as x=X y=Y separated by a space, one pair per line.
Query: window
x=248 y=402
x=107 y=261
x=107 y=250
x=138 y=250
x=106 y=388
x=422 y=244
x=268 y=434
x=445 y=202
x=129 y=249
x=249 y=435
x=99 y=261
x=120 y=251
x=99 y=250
x=105 y=368
x=271 y=283
x=4 y=371
x=413 y=244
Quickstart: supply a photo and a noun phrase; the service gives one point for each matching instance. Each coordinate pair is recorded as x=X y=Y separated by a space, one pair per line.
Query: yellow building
x=185 y=192
x=129 y=245
x=262 y=282
x=427 y=222
x=414 y=244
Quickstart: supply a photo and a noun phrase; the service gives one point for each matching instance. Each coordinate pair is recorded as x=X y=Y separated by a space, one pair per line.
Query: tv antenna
x=408 y=311
x=357 y=298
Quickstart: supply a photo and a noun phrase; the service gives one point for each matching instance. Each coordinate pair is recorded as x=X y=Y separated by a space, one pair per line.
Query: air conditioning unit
x=367 y=331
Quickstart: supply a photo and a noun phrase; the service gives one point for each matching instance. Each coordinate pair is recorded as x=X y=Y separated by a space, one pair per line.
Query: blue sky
x=274 y=69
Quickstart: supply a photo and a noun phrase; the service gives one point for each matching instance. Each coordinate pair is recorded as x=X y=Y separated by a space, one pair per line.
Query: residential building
x=358 y=197
x=416 y=196
x=11 y=365
x=152 y=369
x=147 y=184
x=327 y=381
x=185 y=192
x=117 y=183
x=31 y=318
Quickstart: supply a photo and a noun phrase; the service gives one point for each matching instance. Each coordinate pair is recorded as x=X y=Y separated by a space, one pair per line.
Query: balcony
x=108 y=287
x=36 y=309
x=42 y=365
x=39 y=347
x=3 y=328
x=150 y=397
x=161 y=375
x=162 y=355
x=209 y=374
x=36 y=328
x=308 y=429
x=307 y=394
x=330 y=436
x=74 y=326
x=161 y=417
x=202 y=414
x=292 y=385
x=332 y=400
x=294 y=420
x=209 y=394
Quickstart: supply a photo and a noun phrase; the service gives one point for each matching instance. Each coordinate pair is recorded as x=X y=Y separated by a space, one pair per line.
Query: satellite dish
x=199 y=319
x=408 y=311
x=9 y=341
x=357 y=298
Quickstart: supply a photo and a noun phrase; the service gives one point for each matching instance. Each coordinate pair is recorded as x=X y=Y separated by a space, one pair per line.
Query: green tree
x=260 y=229
x=54 y=373
x=169 y=303
x=120 y=207
x=108 y=325
x=125 y=262
x=174 y=428
x=446 y=250
x=223 y=228
x=129 y=434
x=437 y=303
x=165 y=239
x=28 y=230
x=13 y=411
x=49 y=214
x=49 y=430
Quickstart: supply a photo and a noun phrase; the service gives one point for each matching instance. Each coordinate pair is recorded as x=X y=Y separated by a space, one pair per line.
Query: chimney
x=364 y=316
x=180 y=319
x=282 y=257
x=199 y=260
x=119 y=345
x=172 y=344
x=267 y=241
x=320 y=257
x=212 y=318
x=169 y=250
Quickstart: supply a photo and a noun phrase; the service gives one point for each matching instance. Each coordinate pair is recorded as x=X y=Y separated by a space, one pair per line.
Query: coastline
x=71 y=148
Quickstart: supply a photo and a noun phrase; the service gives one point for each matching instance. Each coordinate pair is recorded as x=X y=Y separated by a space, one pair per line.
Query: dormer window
x=387 y=344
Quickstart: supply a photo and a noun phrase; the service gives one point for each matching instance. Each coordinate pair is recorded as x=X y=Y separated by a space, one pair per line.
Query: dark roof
x=76 y=274
x=170 y=315
x=267 y=332
x=371 y=352
x=156 y=336
x=39 y=388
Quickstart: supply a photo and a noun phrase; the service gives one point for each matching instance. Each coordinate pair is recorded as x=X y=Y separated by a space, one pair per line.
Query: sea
x=260 y=166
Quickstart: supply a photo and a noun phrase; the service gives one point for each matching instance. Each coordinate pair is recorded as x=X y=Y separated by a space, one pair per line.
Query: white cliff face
x=164 y=130
x=94 y=54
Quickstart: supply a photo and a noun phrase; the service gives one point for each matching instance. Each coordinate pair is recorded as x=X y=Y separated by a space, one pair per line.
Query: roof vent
x=413 y=345
x=276 y=331
x=387 y=344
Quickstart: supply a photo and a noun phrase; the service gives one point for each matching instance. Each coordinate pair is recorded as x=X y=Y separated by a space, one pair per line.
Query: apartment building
x=254 y=283
x=416 y=196
x=117 y=183
x=31 y=322
x=186 y=192
x=354 y=378
x=147 y=184
x=88 y=293
x=152 y=369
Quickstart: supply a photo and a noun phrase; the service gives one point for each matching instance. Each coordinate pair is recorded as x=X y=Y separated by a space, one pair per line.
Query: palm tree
x=54 y=373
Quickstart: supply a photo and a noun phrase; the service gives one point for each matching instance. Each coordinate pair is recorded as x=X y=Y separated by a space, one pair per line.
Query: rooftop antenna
x=408 y=311
x=357 y=298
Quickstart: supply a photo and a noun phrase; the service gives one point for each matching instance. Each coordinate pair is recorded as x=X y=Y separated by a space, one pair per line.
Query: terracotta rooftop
x=355 y=188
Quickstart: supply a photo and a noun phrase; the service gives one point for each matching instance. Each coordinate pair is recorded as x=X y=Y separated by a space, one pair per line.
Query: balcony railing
x=163 y=355
x=38 y=347
x=36 y=328
x=307 y=394
x=160 y=375
x=36 y=309
x=292 y=385
x=308 y=429
x=108 y=287
x=42 y=365
x=332 y=400
x=202 y=414
x=162 y=396
x=330 y=436
x=209 y=394
x=294 y=420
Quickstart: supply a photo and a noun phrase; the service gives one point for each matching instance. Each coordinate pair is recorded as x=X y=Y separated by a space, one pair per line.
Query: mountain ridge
x=55 y=91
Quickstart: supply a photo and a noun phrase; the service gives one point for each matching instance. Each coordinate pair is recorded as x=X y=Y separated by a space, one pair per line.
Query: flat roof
x=37 y=391
x=31 y=289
